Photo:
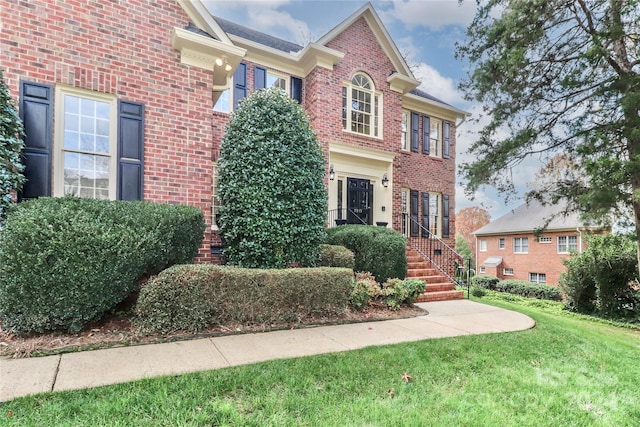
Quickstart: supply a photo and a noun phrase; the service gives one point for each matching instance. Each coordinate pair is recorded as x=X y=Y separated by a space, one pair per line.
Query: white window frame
x=538 y=277
x=565 y=246
x=228 y=95
x=273 y=75
x=405 y=130
x=507 y=271
x=482 y=245
x=519 y=245
x=59 y=150
x=501 y=243
x=545 y=239
x=435 y=143
x=483 y=269
x=376 y=114
x=435 y=215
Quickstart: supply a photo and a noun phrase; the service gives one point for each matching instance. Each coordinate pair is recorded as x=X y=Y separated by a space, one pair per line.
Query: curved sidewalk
x=21 y=377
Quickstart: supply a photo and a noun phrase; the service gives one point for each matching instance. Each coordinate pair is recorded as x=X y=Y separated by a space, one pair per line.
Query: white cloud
x=434 y=83
x=264 y=16
x=433 y=14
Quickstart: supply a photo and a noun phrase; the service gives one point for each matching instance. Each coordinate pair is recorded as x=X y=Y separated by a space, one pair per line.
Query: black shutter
x=296 y=89
x=239 y=84
x=415 y=132
x=36 y=112
x=414 y=213
x=445 y=215
x=130 y=151
x=259 y=78
x=425 y=214
x=446 y=142
x=426 y=134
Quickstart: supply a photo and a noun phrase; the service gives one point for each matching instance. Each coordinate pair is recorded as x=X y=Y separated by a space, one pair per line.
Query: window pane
x=71 y=140
x=87 y=142
x=102 y=110
x=222 y=104
x=87 y=107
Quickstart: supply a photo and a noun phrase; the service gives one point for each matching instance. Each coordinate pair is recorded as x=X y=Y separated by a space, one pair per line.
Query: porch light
x=385 y=181
x=332 y=173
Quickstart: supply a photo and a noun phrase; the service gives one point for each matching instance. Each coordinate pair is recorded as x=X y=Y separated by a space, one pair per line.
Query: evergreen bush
x=485 y=281
x=271 y=184
x=378 y=250
x=11 y=167
x=193 y=297
x=335 y=256
x=65 y=262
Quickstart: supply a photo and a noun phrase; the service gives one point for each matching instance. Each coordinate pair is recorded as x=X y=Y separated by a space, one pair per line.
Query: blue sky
x=425 y=31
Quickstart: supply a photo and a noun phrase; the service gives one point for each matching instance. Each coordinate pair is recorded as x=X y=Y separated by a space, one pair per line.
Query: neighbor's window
x=507 y=271
x=483 y=245
x=86 y=147
x=483 y=270
x=567 y=244
x=544 y=239
x=520 y=245
x=361 y=106
x=538 y=277
x=501 y=243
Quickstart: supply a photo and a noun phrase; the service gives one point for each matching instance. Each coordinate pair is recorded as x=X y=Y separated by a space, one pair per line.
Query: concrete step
x=441 y=296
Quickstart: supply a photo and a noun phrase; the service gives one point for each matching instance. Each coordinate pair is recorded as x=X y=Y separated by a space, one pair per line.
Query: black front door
x=360 y=200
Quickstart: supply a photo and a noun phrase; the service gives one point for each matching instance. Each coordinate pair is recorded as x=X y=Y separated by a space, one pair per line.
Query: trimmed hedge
x=336 y=256
x=528 y=289
x=193 y=297
x=379 y=250
x=393 y=293
x=485 y=282
x=64 y=262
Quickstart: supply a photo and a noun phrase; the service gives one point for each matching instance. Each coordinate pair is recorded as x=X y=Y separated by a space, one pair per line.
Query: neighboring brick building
x=508 y=248
x=129 y=100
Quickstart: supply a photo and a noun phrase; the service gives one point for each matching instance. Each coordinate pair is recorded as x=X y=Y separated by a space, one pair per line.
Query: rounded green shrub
x=531 y=290
x=335 y=256
x=271 y=184
x=378 y=250
x=65 y=262
x=485 y=281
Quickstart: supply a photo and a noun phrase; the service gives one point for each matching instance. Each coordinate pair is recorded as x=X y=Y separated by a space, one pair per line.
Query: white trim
x=58 y=143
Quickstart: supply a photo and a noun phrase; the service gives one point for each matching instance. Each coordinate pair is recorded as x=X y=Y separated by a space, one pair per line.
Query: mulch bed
x=115 y=330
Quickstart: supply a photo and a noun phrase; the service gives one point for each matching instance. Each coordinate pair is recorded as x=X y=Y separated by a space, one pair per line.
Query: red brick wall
x=324 y=101
x=541 y=257
x=123 y=48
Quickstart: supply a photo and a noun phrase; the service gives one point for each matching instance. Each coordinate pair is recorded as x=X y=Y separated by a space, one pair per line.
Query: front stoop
x=437 y=286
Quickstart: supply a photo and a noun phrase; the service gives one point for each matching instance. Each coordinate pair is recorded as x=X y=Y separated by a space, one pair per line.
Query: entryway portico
x=360 y=185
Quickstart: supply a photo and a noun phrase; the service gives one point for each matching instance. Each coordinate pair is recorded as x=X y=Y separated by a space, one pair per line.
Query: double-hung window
x=435 y=138
x=94 y=148
x=404 y=136
x=520 y=245
x=567 y=244
x=361 y=106
x=86 y=144
x=538 y=277
x=483 y=245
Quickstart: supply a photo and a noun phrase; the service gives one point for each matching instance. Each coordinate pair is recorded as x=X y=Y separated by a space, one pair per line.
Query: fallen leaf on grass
x=390 y=392
x=406 y=377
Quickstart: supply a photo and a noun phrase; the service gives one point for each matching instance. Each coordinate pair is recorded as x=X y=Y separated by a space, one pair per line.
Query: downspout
x=579 y=240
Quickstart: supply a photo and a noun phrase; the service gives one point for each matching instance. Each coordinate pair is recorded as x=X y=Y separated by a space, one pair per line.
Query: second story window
x=567 y=244
x=277 y=80
x=435 y=138
x=520 y=245
x=361 y=106
x=404 y=141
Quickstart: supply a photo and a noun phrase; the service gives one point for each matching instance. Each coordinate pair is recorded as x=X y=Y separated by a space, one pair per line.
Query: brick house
x=509 y=248
x=129 y=100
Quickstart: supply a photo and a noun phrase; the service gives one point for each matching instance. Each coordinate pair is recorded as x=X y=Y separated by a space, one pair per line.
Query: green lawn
x=567 y=371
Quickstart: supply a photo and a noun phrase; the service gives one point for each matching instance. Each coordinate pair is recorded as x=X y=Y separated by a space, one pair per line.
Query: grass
x=567 y=371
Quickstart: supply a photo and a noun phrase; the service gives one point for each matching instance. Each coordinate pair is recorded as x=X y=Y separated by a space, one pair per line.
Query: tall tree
x=11 y=167
x=469 y=220
x=559 y=76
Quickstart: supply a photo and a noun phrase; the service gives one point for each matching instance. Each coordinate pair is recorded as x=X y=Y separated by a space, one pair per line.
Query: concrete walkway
x=21 y=377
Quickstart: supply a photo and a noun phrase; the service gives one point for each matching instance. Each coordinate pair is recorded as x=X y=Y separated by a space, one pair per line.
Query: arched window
x=361 y=106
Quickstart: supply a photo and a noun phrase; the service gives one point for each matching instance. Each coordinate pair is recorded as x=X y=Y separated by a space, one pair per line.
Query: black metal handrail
x=442 y=256
x=337 y=217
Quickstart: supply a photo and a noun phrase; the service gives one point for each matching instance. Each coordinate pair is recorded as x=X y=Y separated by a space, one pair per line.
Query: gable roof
x=530 y=216
x=257 y=36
